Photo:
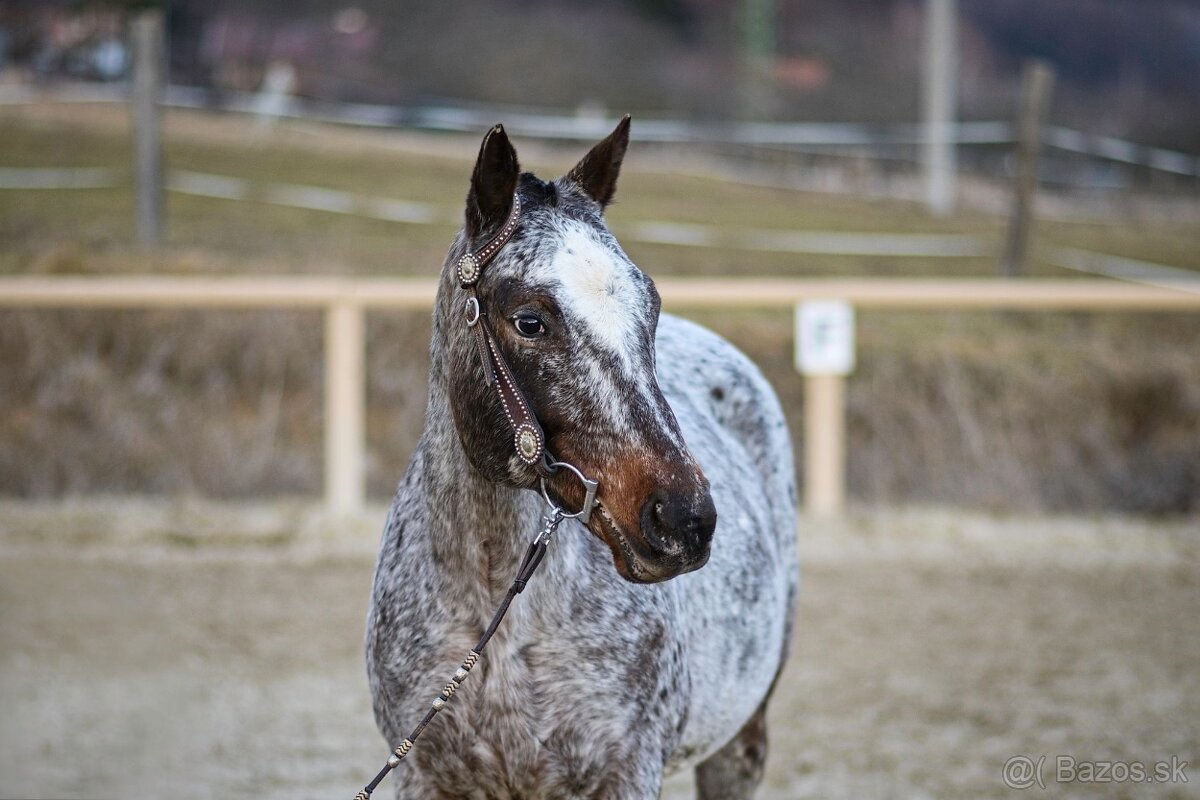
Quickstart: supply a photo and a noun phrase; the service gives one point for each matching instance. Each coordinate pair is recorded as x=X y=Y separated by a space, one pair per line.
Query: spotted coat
x=595 y=686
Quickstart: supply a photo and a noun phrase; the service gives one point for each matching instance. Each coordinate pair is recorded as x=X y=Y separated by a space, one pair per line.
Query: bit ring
x=589 y=492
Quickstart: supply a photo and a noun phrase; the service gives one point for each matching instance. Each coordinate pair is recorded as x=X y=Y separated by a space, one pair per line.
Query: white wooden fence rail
x=345 y=300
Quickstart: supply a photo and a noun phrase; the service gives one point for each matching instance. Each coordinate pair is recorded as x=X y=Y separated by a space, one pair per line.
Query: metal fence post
x=345 y=407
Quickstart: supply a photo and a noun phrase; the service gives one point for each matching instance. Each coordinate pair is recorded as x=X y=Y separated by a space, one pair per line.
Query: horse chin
x=631 y=565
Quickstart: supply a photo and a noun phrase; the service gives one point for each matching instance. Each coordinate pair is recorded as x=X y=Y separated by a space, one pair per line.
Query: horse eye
x=529 y=326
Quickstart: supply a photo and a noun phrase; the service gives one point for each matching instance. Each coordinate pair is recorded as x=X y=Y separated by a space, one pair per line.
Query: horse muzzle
x=674 y=536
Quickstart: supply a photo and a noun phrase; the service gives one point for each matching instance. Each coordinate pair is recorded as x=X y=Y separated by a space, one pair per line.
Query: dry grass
x=1004 y=411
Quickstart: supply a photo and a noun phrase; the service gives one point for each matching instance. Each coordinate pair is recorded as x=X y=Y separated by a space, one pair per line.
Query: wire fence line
x=61 y=178
x=870 y=141
x=1126 y=269
x=415 y=212
x=335 y=201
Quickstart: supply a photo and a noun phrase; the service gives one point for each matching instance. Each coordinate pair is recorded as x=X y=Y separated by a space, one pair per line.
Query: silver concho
x=468 y=269
x=529 y=446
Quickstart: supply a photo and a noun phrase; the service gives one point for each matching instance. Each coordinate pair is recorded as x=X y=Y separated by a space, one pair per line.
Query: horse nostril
x=670 y=521
x=702 y=527
x=702 y=523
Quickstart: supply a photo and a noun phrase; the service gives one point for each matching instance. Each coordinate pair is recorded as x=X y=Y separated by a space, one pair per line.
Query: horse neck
x=478 y=529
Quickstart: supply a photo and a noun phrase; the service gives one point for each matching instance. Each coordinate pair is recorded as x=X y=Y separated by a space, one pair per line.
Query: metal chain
x=533 y=557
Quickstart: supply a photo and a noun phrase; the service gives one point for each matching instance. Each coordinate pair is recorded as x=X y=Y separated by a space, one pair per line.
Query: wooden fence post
x=825 y=344
x=345 y=407
x=1037 y=81
x=758 y=50
x=149 y=81
x=825 y=444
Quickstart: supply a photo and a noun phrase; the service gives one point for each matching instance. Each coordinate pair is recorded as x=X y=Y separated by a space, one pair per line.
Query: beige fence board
x=345 y=299
x=320 y=291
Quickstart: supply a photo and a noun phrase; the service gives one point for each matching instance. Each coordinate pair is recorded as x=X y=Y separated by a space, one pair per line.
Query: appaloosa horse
x=601 y=681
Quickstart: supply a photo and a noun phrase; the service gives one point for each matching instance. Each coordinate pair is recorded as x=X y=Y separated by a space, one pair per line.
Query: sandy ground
x=932 y=646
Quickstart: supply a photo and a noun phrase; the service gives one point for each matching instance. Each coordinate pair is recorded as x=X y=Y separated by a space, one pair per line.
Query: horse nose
x=674 y=519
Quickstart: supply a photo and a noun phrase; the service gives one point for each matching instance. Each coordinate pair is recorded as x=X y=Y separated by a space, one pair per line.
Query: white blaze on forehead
x=601 y=289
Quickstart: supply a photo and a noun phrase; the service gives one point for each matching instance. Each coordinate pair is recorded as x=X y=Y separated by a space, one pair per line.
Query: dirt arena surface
x=931 y=647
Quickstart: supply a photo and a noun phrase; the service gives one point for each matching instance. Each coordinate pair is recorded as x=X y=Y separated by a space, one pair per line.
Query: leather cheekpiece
x=529 y=440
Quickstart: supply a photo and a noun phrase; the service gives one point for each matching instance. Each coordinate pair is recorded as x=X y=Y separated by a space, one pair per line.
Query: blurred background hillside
x=1127 y=68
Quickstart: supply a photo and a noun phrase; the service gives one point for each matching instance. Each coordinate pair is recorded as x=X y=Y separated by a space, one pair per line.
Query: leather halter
x=529 y=439
x=530 y=442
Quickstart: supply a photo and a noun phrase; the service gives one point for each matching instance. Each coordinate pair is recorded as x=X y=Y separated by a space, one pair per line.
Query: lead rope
x=529 y=564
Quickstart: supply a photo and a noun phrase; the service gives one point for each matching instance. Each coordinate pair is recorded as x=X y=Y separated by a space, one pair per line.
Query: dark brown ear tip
x=622 y=130
x=496 y=144
x=496 y=130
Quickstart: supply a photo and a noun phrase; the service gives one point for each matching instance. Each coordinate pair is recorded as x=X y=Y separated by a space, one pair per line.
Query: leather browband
x=528 y=437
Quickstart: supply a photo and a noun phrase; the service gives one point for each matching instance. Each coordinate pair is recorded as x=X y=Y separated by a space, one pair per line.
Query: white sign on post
x=825 y=338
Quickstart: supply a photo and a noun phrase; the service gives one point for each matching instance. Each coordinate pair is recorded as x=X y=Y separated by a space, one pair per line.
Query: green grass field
x=90 y=230
x=1023 y=411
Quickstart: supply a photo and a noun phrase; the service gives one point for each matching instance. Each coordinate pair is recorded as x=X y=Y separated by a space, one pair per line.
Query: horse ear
x=597 y=172
x=492 y=183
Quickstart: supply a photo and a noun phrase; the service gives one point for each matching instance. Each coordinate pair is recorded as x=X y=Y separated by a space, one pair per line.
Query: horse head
x=575 y=320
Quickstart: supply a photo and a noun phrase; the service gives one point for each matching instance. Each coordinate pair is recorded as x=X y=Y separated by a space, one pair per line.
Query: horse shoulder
x=711 y=384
